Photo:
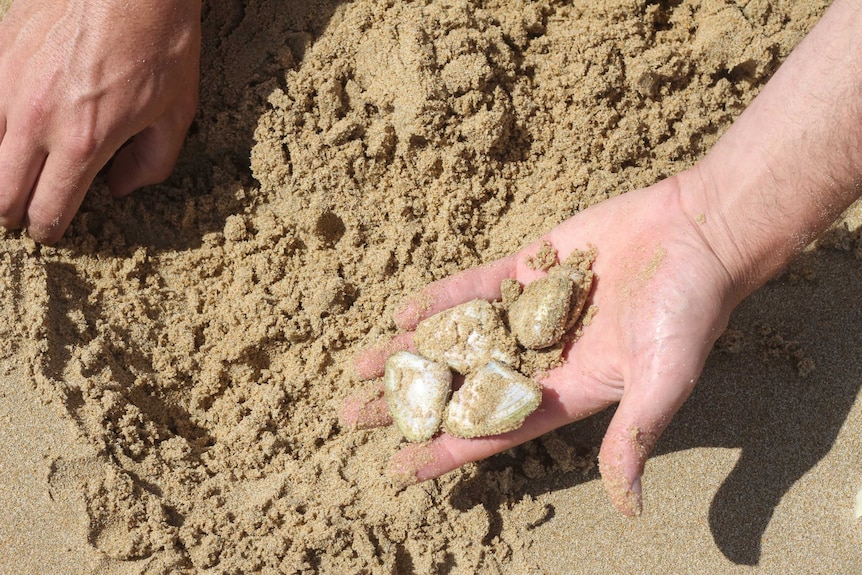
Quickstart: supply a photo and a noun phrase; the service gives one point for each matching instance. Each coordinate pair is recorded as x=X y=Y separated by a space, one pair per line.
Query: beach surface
x=173 y=369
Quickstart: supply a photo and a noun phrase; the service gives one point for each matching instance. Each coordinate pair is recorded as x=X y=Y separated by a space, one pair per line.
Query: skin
x=673 y=261
x=81 y=78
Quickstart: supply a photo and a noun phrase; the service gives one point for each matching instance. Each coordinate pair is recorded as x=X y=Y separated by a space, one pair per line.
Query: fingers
x=20 y=164
x=44 y=191
x=371 y=362
x=59 y=190
x=643 y=414
x=41 y=189
x=562 y=402
x=365 y=409
x=423 y=461
x=482 y=282
x=148 y=159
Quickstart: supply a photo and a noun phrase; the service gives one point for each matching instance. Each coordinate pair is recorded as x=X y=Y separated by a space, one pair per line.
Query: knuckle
x=161 y=173
x=184 y=114
x=35 y=114
x=77 y=136
x=82 y=144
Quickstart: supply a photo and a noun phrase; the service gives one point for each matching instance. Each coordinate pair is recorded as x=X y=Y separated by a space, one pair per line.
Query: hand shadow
x=754 y=395
x=757 y=395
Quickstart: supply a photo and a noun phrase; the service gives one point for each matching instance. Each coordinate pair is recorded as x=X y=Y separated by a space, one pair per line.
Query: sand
x=173 y=368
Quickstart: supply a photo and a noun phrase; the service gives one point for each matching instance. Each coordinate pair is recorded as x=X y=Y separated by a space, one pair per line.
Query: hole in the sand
x=403 y=560
x=75 y=399
x=330 y=228
x=174 y=517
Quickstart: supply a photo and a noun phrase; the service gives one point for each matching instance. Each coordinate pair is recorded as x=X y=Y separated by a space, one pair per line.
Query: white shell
x=466 y=337
x=416 y=390
x=858 y=509
x=493 y=400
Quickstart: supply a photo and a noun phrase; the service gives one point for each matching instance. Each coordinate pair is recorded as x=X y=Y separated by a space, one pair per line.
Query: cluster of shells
x=475 y=340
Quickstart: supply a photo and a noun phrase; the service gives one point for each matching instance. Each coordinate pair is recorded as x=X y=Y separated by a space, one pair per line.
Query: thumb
x=641 y=417
x=149 y=158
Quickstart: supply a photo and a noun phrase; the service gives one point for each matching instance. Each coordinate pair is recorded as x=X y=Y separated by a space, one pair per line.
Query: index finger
x=59 y=191
x=481 y=282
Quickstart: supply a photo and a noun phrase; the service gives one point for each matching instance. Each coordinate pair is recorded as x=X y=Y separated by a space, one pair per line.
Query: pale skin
x=80 y=78
x=673 y=261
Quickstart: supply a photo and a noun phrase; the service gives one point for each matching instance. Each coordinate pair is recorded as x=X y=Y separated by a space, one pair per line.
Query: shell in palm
x=549 y=306
x=466 y=337
x=493 y=400
x=416 y=390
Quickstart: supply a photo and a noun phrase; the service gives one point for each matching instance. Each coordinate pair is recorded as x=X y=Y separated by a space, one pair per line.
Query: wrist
x=749 y=246
x=792 y=162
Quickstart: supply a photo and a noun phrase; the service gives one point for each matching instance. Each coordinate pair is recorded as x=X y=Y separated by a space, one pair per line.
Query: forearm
x=791 y=163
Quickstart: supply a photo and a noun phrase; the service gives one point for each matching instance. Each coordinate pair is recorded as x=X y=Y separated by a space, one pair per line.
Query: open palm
x=662 y=297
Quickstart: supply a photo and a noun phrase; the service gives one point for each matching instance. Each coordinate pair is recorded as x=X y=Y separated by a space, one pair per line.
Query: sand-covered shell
x=416 y=390
x=493 y=400
x=466 y=337
x=549 y=306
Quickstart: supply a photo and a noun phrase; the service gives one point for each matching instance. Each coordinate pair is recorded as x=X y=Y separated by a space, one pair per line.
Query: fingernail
x=636 y=497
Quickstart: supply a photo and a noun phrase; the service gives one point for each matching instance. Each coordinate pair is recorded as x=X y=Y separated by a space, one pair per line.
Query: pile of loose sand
x=190 y=345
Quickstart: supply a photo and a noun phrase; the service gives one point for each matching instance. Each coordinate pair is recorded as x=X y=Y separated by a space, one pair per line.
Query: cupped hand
x=78 y=80
x=663 y=298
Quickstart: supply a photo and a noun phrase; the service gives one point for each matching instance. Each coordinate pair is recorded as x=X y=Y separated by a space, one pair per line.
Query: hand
x=673 y=261
x=663 y=299
x=78 y=79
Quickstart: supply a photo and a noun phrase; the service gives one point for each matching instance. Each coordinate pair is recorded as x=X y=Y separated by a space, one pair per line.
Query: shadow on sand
x=752 y=396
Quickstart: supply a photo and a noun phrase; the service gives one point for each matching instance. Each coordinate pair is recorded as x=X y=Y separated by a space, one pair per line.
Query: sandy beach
x=172 y=370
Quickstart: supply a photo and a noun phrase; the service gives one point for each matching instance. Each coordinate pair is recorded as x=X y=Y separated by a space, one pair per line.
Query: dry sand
x=174 y=367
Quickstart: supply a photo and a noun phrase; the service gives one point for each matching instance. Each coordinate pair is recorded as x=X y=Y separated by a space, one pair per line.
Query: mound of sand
x=175 y=365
